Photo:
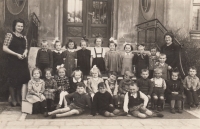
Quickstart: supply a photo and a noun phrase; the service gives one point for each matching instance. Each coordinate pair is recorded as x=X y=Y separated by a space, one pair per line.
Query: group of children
x=156 y=81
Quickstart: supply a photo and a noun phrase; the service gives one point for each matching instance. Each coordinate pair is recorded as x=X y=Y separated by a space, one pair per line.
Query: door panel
x=87 y=17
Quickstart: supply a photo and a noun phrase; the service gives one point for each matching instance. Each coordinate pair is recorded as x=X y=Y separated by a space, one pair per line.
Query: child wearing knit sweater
x=44 y=58
x=77 y=107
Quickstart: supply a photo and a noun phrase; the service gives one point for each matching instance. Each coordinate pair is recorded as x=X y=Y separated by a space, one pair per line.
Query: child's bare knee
x=107 y=113
x=161 y=98
x=141 y=115
x=155 y=97
x=149 y=113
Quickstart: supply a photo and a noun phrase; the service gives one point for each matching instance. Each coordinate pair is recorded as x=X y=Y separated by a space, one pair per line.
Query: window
x=196 y=15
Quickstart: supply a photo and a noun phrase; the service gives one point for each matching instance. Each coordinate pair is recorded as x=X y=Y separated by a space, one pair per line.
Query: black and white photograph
x=99 y=64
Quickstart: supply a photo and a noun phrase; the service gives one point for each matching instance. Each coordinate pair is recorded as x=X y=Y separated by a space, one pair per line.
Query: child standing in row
x=191 y=84
x=140 y=60
x=159 y=87
x=98 y=54
x=153 y=59
x=83 y=57
x=93 y=82
x=126 y=58
x=58 y=55
x=163 y=66
x=70 y=57
x=175 y=91
x=112 y=58
x=44 y=58
x=50 y=89
x=63 y=85
x=36 y=88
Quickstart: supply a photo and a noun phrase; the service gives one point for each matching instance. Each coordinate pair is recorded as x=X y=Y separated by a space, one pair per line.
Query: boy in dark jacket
x=81 y=99
x=103 y=104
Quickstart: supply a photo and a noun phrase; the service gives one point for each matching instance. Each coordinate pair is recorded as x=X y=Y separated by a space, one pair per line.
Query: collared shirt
x=128 y=53
x=159 y=82
x=191 y=82
x=58 y=51
x=74 y=80
x=126 y=100
x=71 y=50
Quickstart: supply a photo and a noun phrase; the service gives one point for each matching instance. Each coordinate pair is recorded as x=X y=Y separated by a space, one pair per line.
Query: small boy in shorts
x=103 y=103
x=159 y=87
x=77 y=107
x=135 y=103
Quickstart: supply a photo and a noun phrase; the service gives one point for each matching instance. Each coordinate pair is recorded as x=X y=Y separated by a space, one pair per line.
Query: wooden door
x=87 y=17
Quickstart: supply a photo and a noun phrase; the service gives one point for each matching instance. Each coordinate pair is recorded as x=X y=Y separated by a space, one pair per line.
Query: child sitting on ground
x=159 y=87
x=191 y=84
x=44 y=58
x=135 y=103
x=81 y=99
x=123 y=87
x=175 y=91
x=50 y=89
x=145 y=84
x=103 y=104
x=92 y=84
x=36 y=87
x=63 y=85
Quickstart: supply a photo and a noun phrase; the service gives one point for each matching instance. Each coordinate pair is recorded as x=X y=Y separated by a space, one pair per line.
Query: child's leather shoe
x=172 y=111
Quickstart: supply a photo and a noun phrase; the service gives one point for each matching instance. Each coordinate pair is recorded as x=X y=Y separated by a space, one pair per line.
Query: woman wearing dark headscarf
x=15 y=45
x=171 y=50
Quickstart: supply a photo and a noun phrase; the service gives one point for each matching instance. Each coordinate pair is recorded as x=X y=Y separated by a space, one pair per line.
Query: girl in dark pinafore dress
x=58 y=56
x=98 y=54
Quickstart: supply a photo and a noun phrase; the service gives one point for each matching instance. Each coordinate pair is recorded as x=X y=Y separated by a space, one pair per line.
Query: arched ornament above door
x=147 y=8
x=15 y=6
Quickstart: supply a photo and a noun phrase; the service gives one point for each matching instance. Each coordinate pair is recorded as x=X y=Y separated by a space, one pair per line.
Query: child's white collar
x=56 y=51
x=71 y=50
x=74 y=80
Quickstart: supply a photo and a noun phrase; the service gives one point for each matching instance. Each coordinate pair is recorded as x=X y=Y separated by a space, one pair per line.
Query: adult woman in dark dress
x=15 y=45
x=171 y=50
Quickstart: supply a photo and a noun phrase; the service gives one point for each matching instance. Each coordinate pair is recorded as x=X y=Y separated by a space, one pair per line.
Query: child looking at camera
x=135 y=103
x=191 y=84
x=44 y=58
x=175 y=91
x=92 y=84
x=103 y=104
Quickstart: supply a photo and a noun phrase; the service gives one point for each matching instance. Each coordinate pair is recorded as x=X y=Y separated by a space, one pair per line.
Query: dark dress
x=140 y=62
x=83 y=61
x=174 y=86
x=57 y=60
x=99 y=61
x=73 y=84
x=172 y=53
x=18 y=72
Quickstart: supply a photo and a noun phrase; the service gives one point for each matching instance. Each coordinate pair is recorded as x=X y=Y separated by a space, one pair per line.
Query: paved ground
x=12 y=118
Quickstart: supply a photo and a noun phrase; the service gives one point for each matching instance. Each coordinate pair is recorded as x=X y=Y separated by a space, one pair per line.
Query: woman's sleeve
x=8 y=39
